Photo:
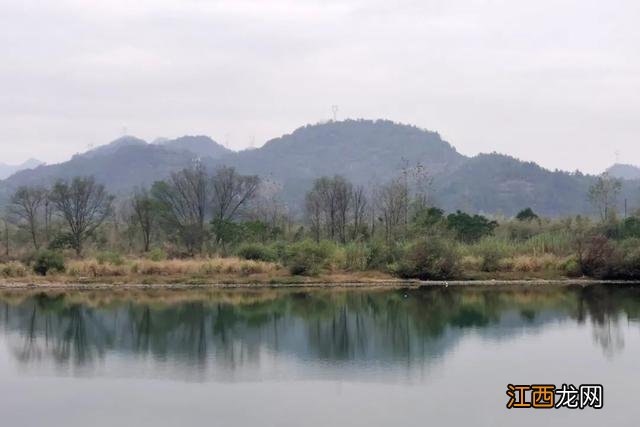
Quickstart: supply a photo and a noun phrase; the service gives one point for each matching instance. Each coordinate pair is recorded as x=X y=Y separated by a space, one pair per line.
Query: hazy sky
x=552 y=81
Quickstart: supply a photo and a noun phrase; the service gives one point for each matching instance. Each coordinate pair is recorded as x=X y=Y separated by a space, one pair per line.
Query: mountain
x=200 y=145
x=121 y=167
x=112 y=147
x=363 y=151
x=495 y=183
x=8 y=170
x=366 y=152
x=623 y=171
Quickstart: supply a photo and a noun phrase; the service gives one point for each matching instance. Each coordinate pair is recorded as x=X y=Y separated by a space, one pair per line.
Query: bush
x=571 y=267
x=597 y=259
x=356 y=256
x=630 y=228
x=61 y=241
x=470 y=228
x=382 y=255
x=13 y=269
x=629 y=267
x=491 y=259
x=109 y=258
x=157 y=254
x=432 y=259
x=47 y=261
x=257 y=252
x=308 y=258
x=526 y=215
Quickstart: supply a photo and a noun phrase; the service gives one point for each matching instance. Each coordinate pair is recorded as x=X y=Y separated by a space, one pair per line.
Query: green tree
x=470 y=228
x=526 y=215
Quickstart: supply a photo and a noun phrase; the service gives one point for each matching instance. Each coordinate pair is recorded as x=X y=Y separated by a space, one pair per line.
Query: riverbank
x=232 y=272
x=27 y=285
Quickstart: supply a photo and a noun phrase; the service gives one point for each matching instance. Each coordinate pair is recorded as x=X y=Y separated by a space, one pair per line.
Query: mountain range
x=8 y=170
x=364 y=151
x=624 y=171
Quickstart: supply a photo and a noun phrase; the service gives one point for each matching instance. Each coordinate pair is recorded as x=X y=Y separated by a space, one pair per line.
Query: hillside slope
x=623 y=171
x=8 y=170
x=366 y=152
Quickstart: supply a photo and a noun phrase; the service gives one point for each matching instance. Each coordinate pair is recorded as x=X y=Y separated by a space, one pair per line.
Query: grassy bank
x=217 y=270
x=235 y=270
x=430 y=248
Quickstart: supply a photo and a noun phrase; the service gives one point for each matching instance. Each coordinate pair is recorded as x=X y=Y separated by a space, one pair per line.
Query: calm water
x=435 y=356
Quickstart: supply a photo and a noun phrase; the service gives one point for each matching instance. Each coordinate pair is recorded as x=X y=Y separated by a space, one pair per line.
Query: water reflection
x=234 y=329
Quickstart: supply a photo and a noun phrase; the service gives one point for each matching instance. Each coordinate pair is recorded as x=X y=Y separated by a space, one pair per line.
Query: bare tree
x=313 y=206
x=392 y=201
x=6 y=237
x=144 y=212
x=343 y=195
x=603 y=194
x=329 y=203
x=267 y=206
x=184 y=203
x=26 y=206
x=359 y=209
x=323 y=187
x=48 y=215
x=83 y=204
x=231 y=192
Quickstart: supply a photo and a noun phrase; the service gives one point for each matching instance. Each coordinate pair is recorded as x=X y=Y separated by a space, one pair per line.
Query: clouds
x=550 y=81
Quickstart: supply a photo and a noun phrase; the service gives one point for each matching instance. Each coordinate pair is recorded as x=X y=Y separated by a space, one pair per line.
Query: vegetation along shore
x=222 y=227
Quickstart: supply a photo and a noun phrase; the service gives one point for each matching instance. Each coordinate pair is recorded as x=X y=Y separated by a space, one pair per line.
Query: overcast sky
x=552 y=81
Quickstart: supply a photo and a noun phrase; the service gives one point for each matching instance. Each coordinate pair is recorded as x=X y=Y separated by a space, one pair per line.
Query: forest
x=205 y=226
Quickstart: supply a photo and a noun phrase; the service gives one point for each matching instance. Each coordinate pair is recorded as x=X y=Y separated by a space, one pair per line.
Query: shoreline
x=390 y=284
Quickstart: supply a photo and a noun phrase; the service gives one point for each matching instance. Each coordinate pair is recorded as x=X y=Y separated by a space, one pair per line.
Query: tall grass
x=173 y=267
x=557 y=242
x=13 y=269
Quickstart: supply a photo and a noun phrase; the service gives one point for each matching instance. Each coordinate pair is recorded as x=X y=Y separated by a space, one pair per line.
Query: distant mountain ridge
x=8 y=170
x=200 y=145
x=624 y=171
x=366 y=152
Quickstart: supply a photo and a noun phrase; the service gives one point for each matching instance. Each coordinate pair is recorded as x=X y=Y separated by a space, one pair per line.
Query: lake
x=327 y=357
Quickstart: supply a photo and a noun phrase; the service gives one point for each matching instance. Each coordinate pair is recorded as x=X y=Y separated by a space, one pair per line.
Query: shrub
x=157 y=254
x=308 y=258
x=571 y=267
x=432 y=259
x=47 y=261
x=13 y=269
x=356 y=256
x=381 y=255
x=596 y=261
x=109 y=258
x=470 y=228
x=257 y=252
x=630 y=228
x=526 y=215
x=61 y=241
x=491 y=259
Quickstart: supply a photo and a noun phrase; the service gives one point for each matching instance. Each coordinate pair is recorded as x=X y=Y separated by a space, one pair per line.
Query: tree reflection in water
x=336 y=326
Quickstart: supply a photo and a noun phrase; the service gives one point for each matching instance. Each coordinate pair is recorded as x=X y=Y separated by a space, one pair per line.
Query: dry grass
x=471 y=263
x=13 y=269
x=528 y=263
x=233 y=270
x=174 y=267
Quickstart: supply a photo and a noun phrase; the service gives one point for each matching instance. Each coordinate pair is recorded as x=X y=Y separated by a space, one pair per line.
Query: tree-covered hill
x=623 y=171
x=364 y=151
